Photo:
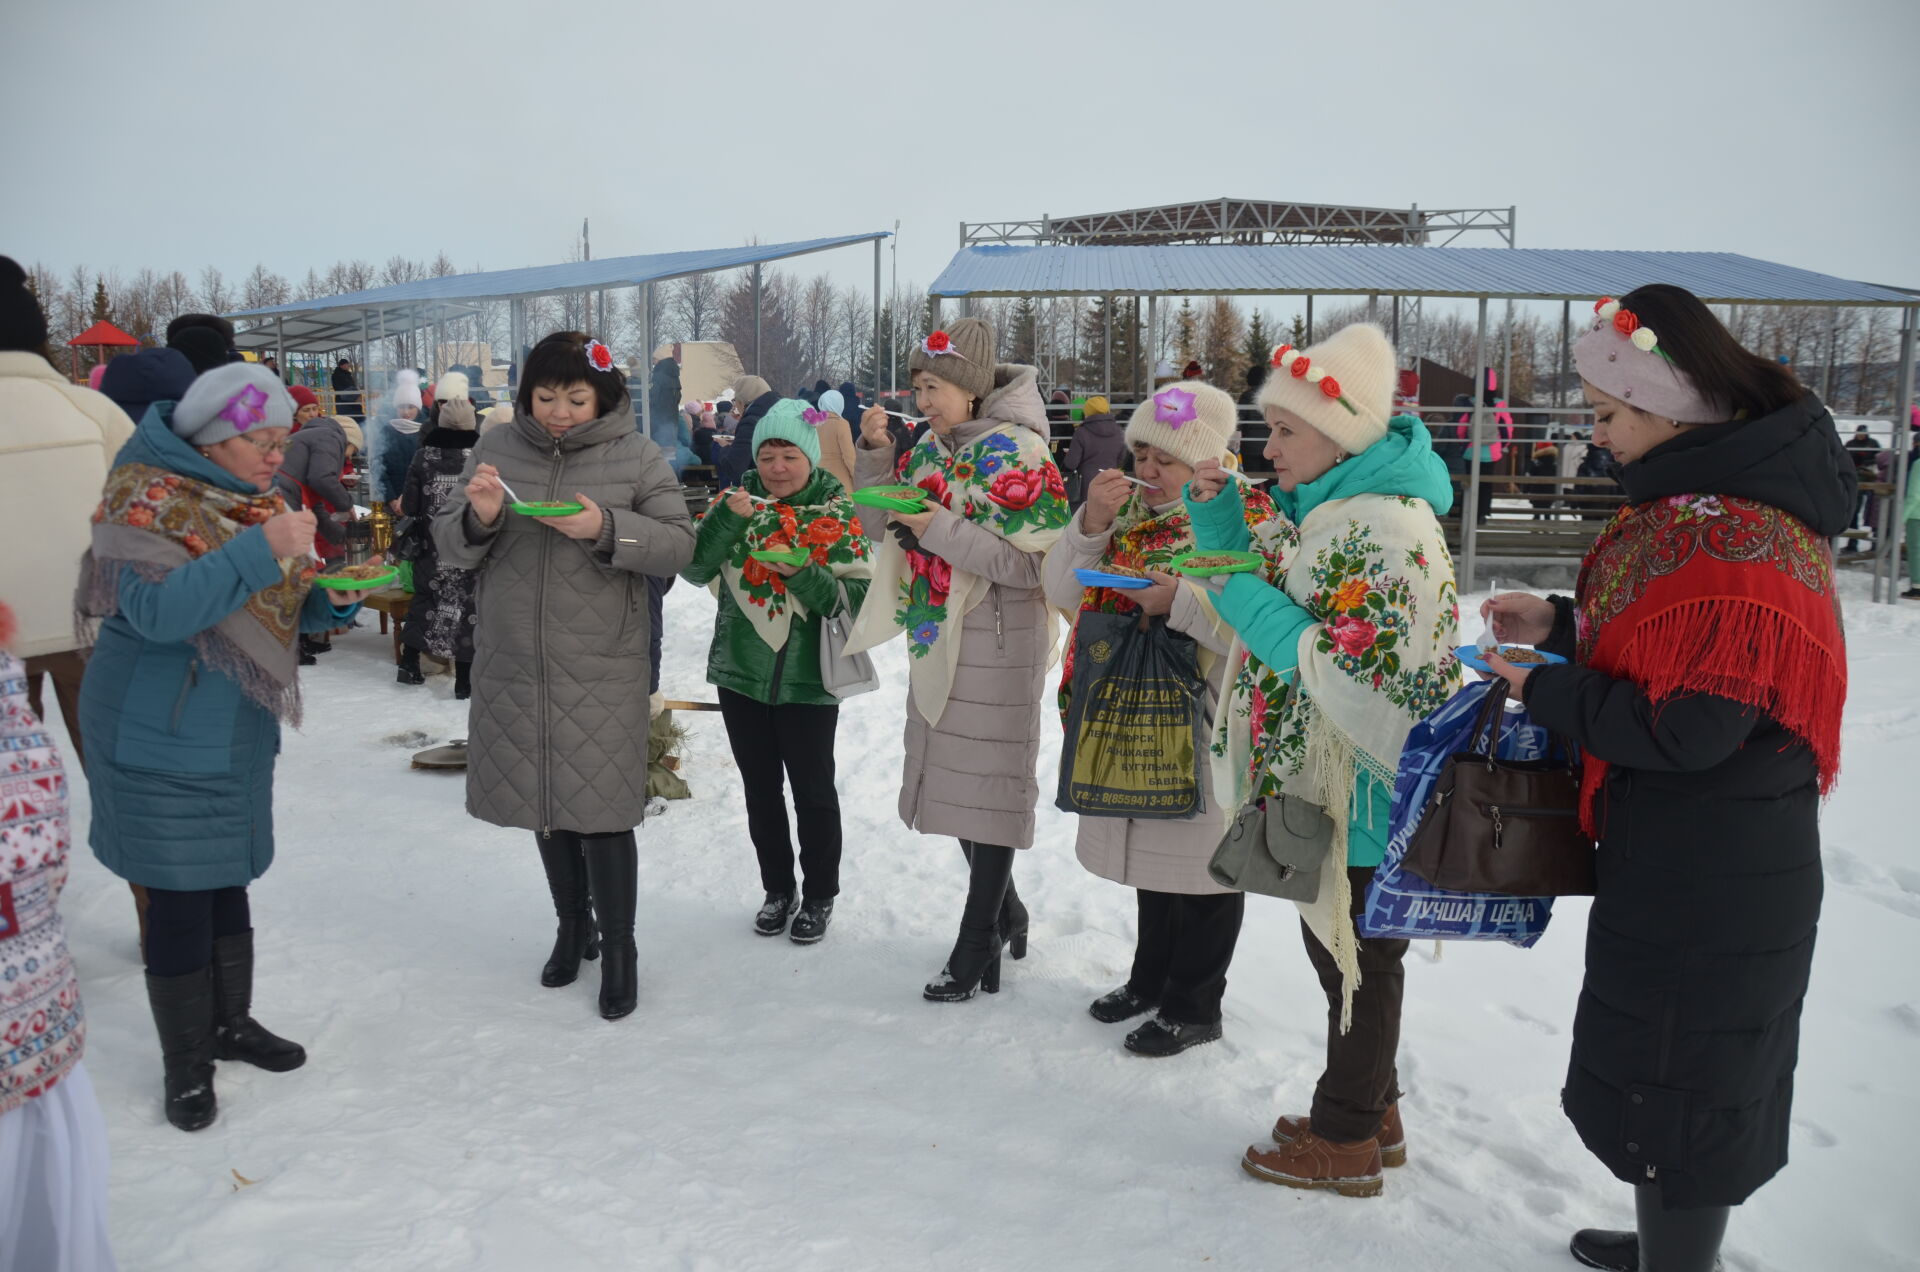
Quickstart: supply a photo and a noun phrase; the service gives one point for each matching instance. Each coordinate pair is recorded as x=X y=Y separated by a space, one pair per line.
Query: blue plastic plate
x=1100 y=578
x=1470 y=656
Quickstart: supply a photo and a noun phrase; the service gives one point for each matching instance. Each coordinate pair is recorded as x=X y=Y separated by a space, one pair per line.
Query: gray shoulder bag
x=842 y=674
x=1275 y=845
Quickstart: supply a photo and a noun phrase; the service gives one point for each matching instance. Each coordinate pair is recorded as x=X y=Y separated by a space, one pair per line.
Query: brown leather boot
x=1307 y=1161
x=1393 y=1139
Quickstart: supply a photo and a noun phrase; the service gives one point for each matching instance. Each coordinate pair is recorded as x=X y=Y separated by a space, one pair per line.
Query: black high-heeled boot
x=974 y=963
x=613 y=874
x=1014 y=919
x=567 y=880
x=462 y=680
x=409 y=667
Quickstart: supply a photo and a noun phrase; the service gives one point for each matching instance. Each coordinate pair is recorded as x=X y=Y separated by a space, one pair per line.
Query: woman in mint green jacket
x=765 y=658
x=1345 y=643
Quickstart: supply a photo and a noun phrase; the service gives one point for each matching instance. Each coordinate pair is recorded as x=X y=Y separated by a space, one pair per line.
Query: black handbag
x=1504 y=826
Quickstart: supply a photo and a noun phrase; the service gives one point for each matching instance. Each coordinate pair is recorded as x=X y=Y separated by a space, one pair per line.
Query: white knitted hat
x=1190 y=421
x=451 y=386
x=1343 y=386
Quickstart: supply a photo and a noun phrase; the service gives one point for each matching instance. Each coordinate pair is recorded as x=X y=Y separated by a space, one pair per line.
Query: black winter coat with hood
x=1700 y=940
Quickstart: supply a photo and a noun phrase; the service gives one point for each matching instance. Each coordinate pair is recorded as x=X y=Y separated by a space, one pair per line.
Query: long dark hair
x=1721 y=368
x=560 y=360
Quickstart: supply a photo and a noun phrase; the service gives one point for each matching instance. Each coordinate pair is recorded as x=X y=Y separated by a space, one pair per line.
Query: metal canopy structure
x=1247 y=222
x=334 y=323
x=1329 y=269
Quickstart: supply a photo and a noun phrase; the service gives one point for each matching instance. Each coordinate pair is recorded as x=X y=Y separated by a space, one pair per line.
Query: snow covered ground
x=771 y=1106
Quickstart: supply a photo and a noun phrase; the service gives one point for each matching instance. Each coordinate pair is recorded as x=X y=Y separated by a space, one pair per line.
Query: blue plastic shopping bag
x=1401 y=904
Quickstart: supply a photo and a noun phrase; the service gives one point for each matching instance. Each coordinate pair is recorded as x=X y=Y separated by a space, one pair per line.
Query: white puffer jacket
x=57 y=441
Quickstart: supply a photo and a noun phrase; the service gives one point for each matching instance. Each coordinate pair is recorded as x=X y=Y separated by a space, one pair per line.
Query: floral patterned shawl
x=827 y=530
x=1145 y=540
x=153 y=521
x=1003 y=481
x=1375 y=571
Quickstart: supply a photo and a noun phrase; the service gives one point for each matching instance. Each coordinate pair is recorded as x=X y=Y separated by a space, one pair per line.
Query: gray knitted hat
x=230 y=400
x=962 y=355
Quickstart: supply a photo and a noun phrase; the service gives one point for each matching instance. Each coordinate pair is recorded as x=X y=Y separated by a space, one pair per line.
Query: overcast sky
x=174 y=135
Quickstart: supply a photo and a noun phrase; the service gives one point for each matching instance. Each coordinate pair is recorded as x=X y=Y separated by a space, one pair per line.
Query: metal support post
x=1309 y=317
x=1469 y=512
x=876 y=322
x=646 y=360
x=1106 y=353
x=1833 y=344
x=756 y=321
x=1566 y=337
x=1902 y=452
x=1153 y=339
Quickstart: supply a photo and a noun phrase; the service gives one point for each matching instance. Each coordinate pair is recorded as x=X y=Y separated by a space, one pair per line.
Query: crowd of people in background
x=195 y=501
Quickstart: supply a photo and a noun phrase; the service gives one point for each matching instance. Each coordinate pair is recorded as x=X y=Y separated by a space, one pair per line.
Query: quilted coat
x=973 y=775
x=557 y=737
x=179 y=759
x=1161 y=856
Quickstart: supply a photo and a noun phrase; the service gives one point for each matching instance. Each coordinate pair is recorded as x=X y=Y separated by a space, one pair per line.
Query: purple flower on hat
x=815 y=417
x=1174 y=407
x=245 y=408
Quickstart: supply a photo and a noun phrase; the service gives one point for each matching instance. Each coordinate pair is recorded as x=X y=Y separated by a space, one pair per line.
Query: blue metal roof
x=572 y=276
x=1368 y=269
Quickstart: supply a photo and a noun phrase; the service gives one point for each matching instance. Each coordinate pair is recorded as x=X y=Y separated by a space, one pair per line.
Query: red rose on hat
x=1299 y=369
x=1600 y=303
x=1279 y=352
x=599 y=355
x=1330 y=387
x=938 y=342
x=1625 y=323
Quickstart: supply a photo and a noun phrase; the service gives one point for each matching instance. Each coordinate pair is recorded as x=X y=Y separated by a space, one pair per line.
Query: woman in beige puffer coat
x=1188 y=924
x=962 y=581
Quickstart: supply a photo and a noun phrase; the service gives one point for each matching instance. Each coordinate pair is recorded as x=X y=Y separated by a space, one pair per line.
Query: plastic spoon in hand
x=509 y=489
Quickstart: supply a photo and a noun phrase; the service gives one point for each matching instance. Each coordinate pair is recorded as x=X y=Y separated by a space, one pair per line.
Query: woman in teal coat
x=1346 y=638
x=201 y=582
x=765 y=659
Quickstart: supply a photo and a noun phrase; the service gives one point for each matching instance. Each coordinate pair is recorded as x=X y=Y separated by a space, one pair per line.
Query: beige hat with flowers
x=1190 y=421
x=1342 y=386
x=962 y=354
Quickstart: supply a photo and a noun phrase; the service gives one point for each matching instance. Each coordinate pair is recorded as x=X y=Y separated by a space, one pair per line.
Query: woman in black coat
x=1705 y=694
x=440 y=617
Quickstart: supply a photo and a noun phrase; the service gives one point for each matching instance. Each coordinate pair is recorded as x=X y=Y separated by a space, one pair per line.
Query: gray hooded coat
x=558 y=728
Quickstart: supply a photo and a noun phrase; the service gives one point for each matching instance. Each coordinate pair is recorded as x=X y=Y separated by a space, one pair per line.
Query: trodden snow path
x=771 y=1106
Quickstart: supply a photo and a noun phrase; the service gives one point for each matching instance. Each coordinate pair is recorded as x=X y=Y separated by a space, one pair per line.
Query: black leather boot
x=462 y=680
x=409 y=665
x=613 y=873
x=1667 y=1240
x=1014 y=921
x=183 y=1015
x=567 y=881
x=236 y=1034
x=975 y=962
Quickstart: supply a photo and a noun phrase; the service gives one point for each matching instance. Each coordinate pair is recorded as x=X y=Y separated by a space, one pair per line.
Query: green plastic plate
x=1235 y=562
x=792 y=556
x=566 y=509
x=893 y=498
x=336 y=583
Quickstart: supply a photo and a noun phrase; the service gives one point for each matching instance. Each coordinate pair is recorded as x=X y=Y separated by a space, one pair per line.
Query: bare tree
x=264 y=287
x=815 y=320
x=215 y=296
x=690 y=307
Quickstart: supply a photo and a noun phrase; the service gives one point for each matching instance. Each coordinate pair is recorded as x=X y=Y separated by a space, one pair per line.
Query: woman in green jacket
x=1346 y=639
x=765 y=658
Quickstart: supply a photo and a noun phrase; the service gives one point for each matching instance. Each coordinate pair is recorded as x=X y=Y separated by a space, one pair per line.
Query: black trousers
x=797 y=740
x=1361 y=1079
x=182 y=926
x=1181 y=957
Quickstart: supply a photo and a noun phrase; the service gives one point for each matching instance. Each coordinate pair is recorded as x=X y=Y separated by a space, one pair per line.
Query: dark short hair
x=560 y=360
x=1721 y=368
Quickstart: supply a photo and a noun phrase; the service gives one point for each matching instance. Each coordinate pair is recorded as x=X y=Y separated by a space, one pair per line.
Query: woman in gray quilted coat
x=557 y=740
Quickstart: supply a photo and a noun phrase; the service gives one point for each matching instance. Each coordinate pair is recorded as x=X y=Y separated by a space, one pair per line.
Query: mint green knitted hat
x=785 y=423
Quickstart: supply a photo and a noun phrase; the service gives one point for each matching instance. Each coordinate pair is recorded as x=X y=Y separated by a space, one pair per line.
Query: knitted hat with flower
x=1342 y=386
x=962 y=355
x=1190 y=421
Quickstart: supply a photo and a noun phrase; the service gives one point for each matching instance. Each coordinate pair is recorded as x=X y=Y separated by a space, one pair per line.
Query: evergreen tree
x=1094 y=330
x=1025 y=333
x=100 y=311
x=1186 y=343
x=1260 y=341
x=1297 y=332
x=1224 y=348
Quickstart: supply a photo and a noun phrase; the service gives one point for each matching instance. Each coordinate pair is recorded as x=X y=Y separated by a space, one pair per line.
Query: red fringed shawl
x=1722 y=596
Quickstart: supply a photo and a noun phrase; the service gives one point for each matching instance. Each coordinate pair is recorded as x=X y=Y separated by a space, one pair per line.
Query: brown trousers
x=67 y=670
x=1361 y=1079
